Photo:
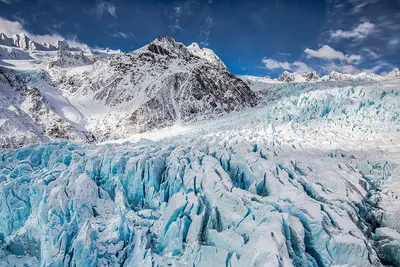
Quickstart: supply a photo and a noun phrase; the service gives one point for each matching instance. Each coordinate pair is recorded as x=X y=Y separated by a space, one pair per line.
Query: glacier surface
x=310 y=178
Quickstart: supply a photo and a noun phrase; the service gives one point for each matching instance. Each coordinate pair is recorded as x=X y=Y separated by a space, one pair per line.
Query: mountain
x=158 y=85
x=311 y=76
x=4 y=40
x=297 y=77
x=394 y=73
x=22 y=41
x=114 y=95
x=336 y=76
x=68 y=59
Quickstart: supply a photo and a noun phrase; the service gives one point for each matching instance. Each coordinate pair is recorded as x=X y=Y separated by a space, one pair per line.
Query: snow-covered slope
x=336 y=76
x=68 y=59
x=7 y=52
x=206 y=54
x=309 y=178
x=27 y=117
x=293 y=77
x=394 y=73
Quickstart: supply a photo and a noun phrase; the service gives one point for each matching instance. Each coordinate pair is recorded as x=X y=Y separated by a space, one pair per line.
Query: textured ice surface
x=214 y=201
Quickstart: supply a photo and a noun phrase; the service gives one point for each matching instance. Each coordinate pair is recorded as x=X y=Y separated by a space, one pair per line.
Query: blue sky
x=258 y=37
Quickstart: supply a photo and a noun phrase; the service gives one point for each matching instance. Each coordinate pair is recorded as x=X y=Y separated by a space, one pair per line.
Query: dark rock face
x=184 y=96
x=296 y=77
x=167 y=46
x=69 y=59
x=311 y=76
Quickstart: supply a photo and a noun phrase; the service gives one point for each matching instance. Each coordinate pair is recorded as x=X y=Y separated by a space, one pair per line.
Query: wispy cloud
x=19 y=19
x=359 y=5
x=176 y=17
x=359 y=32
x=368 y=52
x=206 y=31
x=180 y=12
x=351 y=69
x=296 y=66
x=124 y=35
x=36 y=15
x=106 y=7
x=10 y=27
x=8 y=2
x=327 y=52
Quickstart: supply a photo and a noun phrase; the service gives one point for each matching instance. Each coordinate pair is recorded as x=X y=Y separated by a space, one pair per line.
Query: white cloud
x=347 y=69
x=359 y=32
x=103 y=6
x=296 y=66
x=274 y=64
x=327 y=52
x=301 y=67
x=351 y=69
x=12 y=27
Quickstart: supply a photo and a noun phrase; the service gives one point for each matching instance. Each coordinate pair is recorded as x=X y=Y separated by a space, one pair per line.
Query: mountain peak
x=21 y=40
x=394 y=73
x=206 y=54
x=167 y=46
x=297 y=77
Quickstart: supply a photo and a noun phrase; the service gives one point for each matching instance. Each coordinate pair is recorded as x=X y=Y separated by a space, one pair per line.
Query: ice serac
x=158 y=85
x=200 y=204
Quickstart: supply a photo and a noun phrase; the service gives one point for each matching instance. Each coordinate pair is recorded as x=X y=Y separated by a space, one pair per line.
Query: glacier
x=309 y=178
